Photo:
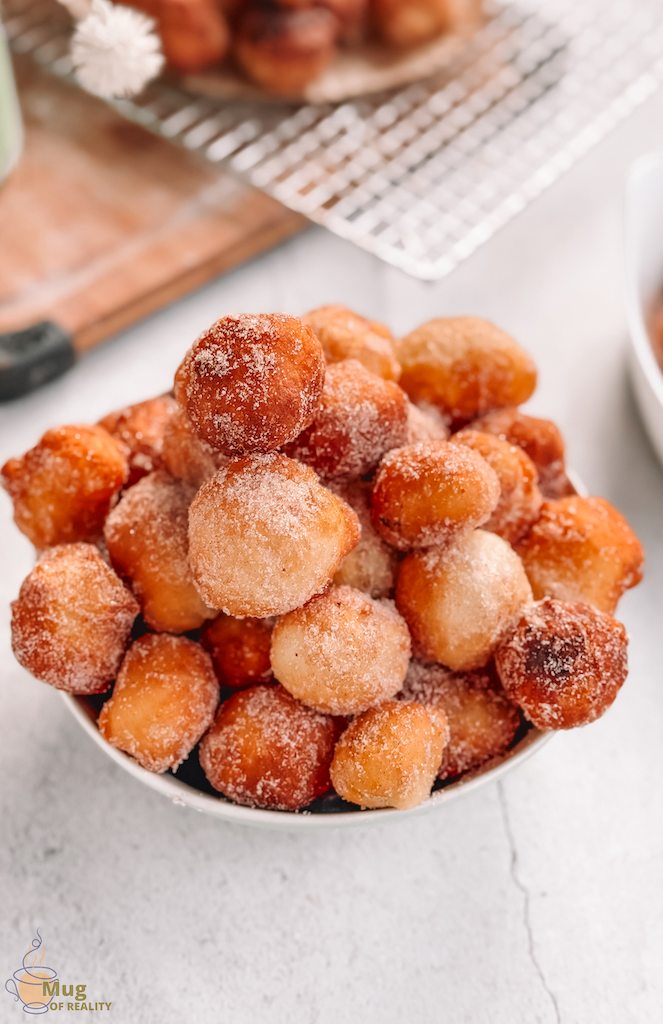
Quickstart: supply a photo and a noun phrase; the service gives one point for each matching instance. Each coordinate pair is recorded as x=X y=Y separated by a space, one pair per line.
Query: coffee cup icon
x=26 y=984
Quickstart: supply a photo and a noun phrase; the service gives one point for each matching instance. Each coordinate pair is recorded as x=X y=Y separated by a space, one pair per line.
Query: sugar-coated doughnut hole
x=252 y=383
x=185 y=455
x=389 y=756
x=63 y=488
x=482 y=720
x=346 y=335
x=520 y=498
x=460 y=601
x=360 y=418
x=163 y=701
x=540 y=439
x=239 y=649
x=581 y=549
x=342 y=652
x=565 y=663
x=427 y=494
x=140 y=428
x=72 y=620
x=371 y=565
x=465 y=366
x=425 y=423
x=266 y=749
x=284 y=49
x=405 y=24
x=265 y=536
x=148 y=542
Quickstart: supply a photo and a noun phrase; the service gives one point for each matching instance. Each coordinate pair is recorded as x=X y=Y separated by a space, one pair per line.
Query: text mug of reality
x=39 y=988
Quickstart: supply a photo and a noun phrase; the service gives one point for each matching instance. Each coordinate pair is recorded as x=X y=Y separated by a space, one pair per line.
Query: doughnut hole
x=342 y=652
x=72 y=619
x=360 y=418
x=427 y=494
x=540 y=439
x=389 y=756
x=404 y=25
x=581 y=549
x=425 y=423
x=371 y=566
x=251 y=383
x=163 y=701
x=239 y=649
x=147 y=539
x=267 y=750
x=140 y=428
x=265 y=536
x=482 y=720
x=520 y=498
x=185 y=455
x=283 y=49
x=64 y=487
x=464 y=366
x=346 y=335
x=459 y=602
x=565 y=663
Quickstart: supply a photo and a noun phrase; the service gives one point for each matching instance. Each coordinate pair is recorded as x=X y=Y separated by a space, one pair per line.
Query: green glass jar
x=11 y=132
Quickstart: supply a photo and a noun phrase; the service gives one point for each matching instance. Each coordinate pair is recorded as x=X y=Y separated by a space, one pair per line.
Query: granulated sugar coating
x=185 y=455
x=265 y=536
x=581 y=549
x=360 y=418
x=163 y=701
x=520 y=497
x=426 y=494
x=390 y=755
x=147 y=539
x=465 y=366
x=72 y=619
x=239 y=649
x=266 y=750
x=460 y=601
x=482 y=720
x=346 y=335
x=63 y=488
x=425 y=423
x=140 y=428
x=252 y=383
x=565 y=663
x=342 y=652
x=371 y=565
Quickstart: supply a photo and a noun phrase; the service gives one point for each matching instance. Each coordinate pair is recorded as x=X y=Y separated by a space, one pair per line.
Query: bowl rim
x=650 y=165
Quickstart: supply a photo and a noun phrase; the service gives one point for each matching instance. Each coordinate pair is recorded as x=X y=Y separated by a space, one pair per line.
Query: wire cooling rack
x=423 y=175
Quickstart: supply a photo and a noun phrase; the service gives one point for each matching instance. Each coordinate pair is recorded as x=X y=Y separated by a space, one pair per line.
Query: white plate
x=644 y=284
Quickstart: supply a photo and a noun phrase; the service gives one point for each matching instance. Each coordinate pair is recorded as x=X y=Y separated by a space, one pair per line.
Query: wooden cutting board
x=102 y=223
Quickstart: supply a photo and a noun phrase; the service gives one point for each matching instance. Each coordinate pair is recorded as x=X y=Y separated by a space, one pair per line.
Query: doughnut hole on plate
x=346 y=335
x=581 y=549
x=540 y=439
x=482 y=720
x=389 y=756
x=427 y=494
x=283 y=49
x=425 y=423
x=342 y=652
x=185 y=455
x=140 y=428
x=163 y=701
x=250 y=384
x=407 y=23
x=148 y=542
x=464 y=366
x=266 y=749
x=371 y=566
x=360 y=418
x=64 y=487
x=239 y=649
x=72 y=619
x=520 y=498
x=265 y=536
x=565 y=663
x=460 y=601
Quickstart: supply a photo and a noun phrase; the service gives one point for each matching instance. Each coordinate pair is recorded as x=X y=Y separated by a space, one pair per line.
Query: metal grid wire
x=423 y=175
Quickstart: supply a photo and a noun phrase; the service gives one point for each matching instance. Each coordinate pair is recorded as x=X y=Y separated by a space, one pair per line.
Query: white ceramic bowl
x=644 y=285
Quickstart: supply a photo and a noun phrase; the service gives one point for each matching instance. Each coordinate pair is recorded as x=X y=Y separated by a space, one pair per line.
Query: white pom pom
x=115 y=51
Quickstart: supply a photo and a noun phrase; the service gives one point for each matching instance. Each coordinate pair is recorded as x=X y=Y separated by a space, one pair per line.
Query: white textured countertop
x=538 y=899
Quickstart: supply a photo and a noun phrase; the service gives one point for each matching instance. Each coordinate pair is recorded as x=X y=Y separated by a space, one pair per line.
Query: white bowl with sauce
x=644 y=287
